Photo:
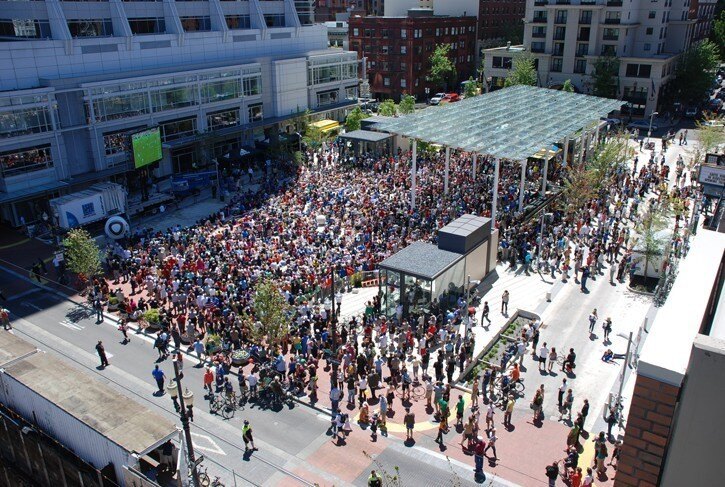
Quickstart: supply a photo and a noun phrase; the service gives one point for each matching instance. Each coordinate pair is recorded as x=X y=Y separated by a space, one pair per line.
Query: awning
x=32 y=191
x=326 y=125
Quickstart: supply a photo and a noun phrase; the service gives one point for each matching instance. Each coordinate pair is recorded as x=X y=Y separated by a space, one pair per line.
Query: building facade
x=398 y=50
x=568 y=37
x=499 y=19
x=80 y=77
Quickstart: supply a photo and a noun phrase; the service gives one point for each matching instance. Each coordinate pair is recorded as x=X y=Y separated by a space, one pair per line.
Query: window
x=195 y=24
x=560 y=17
x=274 y=20
x=403 y=83
x=613 y=17
x=585 y=17
x=501 y=62
x=30 y=29
x=351 y=93
x=638 y=70
x=540 y=16
x=609 y=50
x=328 y=97
x=403 y=66
x=25 y=160
x=611 y=34
x=255 y=112
x=386 y=81
x=403 y=49
x=15 y=123
x=237 y=21
x=537 y=47
x=90 y=28
x=538 y=31
x=652 y=14
x=220 y=90
x=647 y=46
x=385 y=33
x=384 y=49
x=119 y=142
x=418 y=33
x=356 y=32
x=177 y=129
x=121 y=106
x=147 y=25
x=403 y=34
x=222 y=119
x=580 y=66
x=649 y=31
x=556 y=65
x=326 y=74
x=171 y=98
x=582 y=49
x=253 y=86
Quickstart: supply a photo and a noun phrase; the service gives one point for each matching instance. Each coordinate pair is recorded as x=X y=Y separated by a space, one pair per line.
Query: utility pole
x=187 y=430
x=625 y=365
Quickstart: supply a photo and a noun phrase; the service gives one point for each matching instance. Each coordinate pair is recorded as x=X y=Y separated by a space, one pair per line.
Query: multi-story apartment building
x=328 y=10
x=80 y=77
x=703 y=11
x=398 y=49
x=497 y=19
x=567 y=37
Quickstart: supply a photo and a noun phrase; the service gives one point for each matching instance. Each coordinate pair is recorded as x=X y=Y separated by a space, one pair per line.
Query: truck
x=98 y=202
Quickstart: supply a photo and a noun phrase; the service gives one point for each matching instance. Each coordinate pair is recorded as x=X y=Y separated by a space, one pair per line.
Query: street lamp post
x=333 y=326
x=427 y=95
x=186 y=400
x=649 y=132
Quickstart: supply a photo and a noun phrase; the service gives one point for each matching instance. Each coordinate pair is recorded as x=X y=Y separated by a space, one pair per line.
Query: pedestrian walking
x=592 y=320
x=489 y=415
x=5 y=319
x=505 y=302
x=335 y=395
x=552 y=473
x=484 y=315
x=478 y=454
x=441 y=432
x=159 y=376
x=492 y=443
x=247 y=437
x=98 y=308
x=585 y=277
x=607 y=327
x=568 y=402
x=123 y=328
x=102 y=354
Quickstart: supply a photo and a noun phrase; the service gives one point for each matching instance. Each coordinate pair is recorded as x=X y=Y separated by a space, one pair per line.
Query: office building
x=398 y=50
x=80 y=77
x=567 y=37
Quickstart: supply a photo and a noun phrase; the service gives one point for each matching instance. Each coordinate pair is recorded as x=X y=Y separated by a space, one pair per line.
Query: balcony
x=559 y=37
x=612 y=21
x=540 y=3
x=582 y=52
x=585 y=20
x=556 y=66
x=614 y=3
x=538 y=34
x=558 y=51
x=560 y=19
x=537 y=49
x=539 y=20
x=563 y=2
x=610 y=37
x=583 y=37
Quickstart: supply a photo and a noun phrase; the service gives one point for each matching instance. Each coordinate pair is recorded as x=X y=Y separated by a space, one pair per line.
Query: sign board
x=716 y=159
x=82 y=210
x=712 y=177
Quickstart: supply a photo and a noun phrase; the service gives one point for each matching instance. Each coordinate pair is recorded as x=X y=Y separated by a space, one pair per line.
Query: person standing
x=159 y=376
x=335 y=395
x=460 y=409
x=543 y=355
x=552 y=472
x=607 y=326
x=247 y=437
x=123 y=328
x=98 y=308
x=505 y=302
x=562 y=391
x=509 y=410
x=592 y=320
x=102 y=354
x=409 y=421
x=492 y=443
x=478 y=454
x=374 y=480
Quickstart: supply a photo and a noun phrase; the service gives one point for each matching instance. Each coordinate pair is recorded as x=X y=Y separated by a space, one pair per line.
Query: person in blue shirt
x=159 y=376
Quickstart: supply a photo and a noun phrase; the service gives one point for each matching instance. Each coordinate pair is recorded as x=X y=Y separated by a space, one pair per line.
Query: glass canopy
x=512 y=123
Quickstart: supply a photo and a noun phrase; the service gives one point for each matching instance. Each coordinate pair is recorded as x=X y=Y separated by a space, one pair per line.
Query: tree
x=604 y=77
x=709 y=137
x=578 y=188
x=649 y=240
x=387 y=108
x=314 y=137
x=407 y=105
x=523 y=72
x=694 y=73
x=82 y=254
x=568 y=87
x=608 y=158
x=717 y=34
x=272 y=313
x=352 y=122
x=470 y=88
x=442 y=69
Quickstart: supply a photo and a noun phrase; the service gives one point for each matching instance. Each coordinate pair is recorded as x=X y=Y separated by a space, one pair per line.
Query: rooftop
x=365 y=136
x=128 y=424
x=512 y=123
x=421 y=259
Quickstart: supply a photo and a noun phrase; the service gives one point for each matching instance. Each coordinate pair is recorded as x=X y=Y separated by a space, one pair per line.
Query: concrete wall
x=695 y=448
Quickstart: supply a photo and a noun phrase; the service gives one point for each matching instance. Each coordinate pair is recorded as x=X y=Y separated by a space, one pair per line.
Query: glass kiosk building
x=423 y=272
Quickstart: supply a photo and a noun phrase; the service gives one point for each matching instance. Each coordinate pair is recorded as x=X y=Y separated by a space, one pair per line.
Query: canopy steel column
x=445 y=177
x=473 y=172
x=596 y=136
x=494 y=199
x=581 y=148
x=543 y=177
x=566 y=151
x=521 y=186
x=413 y=172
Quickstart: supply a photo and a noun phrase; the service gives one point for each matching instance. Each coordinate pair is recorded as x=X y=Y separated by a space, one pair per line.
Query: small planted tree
x=470 y=88
x=352 y=122
x=522 y=72
x=406 y=105
x=387 y=108
x=442 y=69
x=272 y=313
x=604 y=77
x=650 y=241
x=82 y=254
x=568 y=87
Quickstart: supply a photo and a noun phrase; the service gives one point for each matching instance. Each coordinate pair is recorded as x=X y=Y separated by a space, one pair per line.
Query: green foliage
x=301 y=120
x=568 y=87
x=522 y=72
x=298 y=158
x=470 y=88
x=709 y=139
x=407 y=105
x=442 y=70
x=387 y=108
x=650 y=242
x=82 y=253
x=272 y=312
x=717 y=34
x=356 y=279
x=314 y=137
x=152 y=316
x=609 y=156
x=352 y=122
x=695 y=70
x=604 y=77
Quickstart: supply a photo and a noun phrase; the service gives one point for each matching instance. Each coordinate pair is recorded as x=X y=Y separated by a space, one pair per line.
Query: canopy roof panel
x=512 y=123
x=366 y=136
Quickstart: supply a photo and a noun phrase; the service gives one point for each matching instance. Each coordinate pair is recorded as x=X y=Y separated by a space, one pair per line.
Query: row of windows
x=417 y=33
x=25 y=160
x=24 y=122
x=25 y=28
x=336 y=72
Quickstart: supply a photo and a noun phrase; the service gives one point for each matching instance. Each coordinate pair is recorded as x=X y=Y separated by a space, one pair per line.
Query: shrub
x=152 y=316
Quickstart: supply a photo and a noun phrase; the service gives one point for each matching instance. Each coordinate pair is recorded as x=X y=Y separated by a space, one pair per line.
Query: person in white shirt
x=543 y=354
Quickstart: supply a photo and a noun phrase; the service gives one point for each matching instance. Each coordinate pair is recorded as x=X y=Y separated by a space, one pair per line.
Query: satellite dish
x=116 y=227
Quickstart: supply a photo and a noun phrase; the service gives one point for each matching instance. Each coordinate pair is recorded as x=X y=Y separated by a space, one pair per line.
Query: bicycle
x=205 y=481
x=220 y=405
x=416 y=391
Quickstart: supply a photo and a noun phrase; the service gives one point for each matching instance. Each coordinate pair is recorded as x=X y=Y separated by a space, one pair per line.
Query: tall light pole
x=427 y=95
x=186 y=399
x=649 y=132
x=333 y=325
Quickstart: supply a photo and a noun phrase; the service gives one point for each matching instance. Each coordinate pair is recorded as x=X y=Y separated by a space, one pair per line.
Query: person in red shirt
x=478 y=453
x=575 y=479
x=208 y=379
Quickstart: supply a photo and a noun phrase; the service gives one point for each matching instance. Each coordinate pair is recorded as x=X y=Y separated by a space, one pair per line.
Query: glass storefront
x=23 y=122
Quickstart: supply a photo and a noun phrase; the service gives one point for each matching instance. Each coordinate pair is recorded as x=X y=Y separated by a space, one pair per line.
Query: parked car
x=437 y=98
x=641 y=125
x=614 y=122
x=691 y=112
x=451 y=98
x=714 y=123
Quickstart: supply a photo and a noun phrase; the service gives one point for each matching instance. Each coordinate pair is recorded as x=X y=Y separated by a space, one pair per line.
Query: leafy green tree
x=568 y=87
x=82 y=254
x=695 y=70
x=650 y=242
x=442 y=70
x=709 y=137
x=608 y=157
x=717 y=35
x=387 y=108
x=604 y=77
x=406 y=105
x=272 y=314
x=522 y=72
x=314 y=137
x=352 y=122
x=470 y=88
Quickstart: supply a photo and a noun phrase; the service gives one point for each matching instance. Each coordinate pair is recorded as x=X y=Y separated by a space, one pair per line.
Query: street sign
x=712 y=177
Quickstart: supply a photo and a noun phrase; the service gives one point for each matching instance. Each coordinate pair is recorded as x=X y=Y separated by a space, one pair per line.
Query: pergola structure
x=369 y=141
x=512 y=123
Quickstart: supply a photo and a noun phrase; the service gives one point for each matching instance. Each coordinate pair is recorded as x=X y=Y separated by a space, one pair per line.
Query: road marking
x=212 y=445
x=25 y=303
x=71 y=325
x=23 y=294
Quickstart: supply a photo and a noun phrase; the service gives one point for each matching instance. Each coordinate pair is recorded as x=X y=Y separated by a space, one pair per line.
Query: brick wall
x=647 y=433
